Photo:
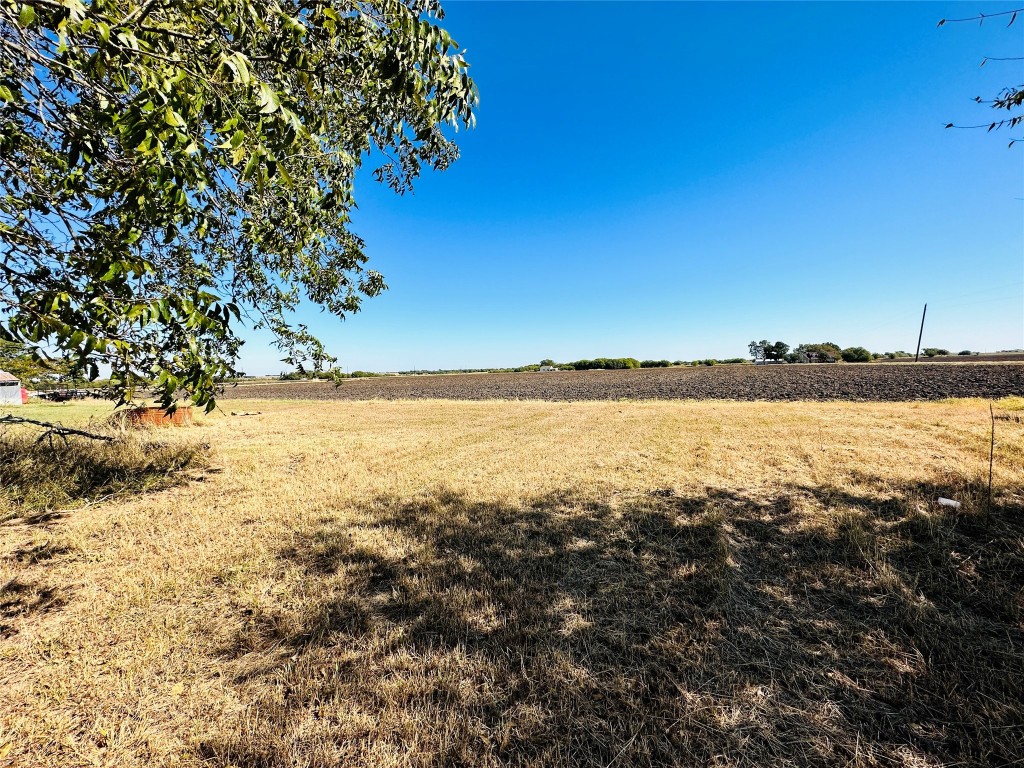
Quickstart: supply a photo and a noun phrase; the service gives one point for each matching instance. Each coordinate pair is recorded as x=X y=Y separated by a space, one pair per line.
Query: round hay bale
x=153 y=416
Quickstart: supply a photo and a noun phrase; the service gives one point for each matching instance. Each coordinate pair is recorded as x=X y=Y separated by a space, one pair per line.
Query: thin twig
x=54 y=429
x=623 y=750
x=982 y=16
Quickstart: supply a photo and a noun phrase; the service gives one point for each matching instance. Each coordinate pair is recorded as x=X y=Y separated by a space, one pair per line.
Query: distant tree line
x=603 y=364
x=760 y=351
x=330 y=375
x=829 y=352
x=612 y=363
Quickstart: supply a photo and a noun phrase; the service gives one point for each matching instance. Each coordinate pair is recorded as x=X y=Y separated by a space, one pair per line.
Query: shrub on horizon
x=856 y=355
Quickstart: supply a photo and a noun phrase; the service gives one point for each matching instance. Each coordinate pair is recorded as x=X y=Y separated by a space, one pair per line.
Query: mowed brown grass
x=441 y=583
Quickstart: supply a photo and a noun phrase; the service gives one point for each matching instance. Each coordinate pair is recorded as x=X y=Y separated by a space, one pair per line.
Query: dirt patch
x=924 y=381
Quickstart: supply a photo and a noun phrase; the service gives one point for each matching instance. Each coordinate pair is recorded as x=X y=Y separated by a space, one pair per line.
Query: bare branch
x=982 y=16
x=54 y=429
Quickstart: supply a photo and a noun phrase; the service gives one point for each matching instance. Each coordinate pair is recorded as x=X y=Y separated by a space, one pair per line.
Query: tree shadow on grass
x=40 y=481
x=19 y=599
x=658 y=631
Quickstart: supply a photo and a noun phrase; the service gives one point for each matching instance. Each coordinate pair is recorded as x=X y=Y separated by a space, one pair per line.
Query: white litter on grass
x=949 y=503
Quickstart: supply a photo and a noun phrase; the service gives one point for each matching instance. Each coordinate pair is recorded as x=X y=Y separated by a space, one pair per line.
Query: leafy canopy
x=19 y=361
x=766 y=350
x=170 y=166
x=856 y=355
x=826 y=350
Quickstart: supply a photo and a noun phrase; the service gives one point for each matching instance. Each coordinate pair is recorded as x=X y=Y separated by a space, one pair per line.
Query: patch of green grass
x=73 y=414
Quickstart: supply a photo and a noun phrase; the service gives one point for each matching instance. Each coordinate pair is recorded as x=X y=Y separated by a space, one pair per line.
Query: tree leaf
x=251 y=166
x=268 y=99
x=173 y=119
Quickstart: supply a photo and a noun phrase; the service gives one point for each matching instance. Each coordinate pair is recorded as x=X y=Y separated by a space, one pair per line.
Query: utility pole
x=920 y=334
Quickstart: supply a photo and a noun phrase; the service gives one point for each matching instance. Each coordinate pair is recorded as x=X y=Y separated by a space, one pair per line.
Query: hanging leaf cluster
x=171 y=168
x=1008 y=99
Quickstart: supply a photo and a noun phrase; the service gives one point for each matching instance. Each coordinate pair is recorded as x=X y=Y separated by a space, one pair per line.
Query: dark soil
x=921 y=381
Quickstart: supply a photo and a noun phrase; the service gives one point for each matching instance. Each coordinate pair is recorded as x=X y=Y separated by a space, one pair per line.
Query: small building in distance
x=10 y=389
x=546 y=368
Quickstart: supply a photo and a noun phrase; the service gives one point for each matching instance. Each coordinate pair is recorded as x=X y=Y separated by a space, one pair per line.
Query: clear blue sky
x=672 y=180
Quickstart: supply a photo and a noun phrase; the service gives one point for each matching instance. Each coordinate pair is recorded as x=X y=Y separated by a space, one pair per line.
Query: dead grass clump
x=38 y=477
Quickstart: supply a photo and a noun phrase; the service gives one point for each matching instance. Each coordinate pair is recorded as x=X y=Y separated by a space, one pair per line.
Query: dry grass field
x=443 y=583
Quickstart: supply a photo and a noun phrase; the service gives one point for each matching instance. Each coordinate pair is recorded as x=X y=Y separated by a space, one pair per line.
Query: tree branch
x=54 y=429
x=982 y=16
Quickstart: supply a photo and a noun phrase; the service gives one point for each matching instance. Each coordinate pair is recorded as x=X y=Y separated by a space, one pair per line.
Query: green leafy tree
x=19 y=360
x=605 y=363
x=168 y=168
x=757 y=349
x=777 y=351
x=825 y=350
x=856 y=355
x=766 y=350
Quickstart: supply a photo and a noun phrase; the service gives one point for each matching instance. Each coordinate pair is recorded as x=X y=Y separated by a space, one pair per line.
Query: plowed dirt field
x=922 y=381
